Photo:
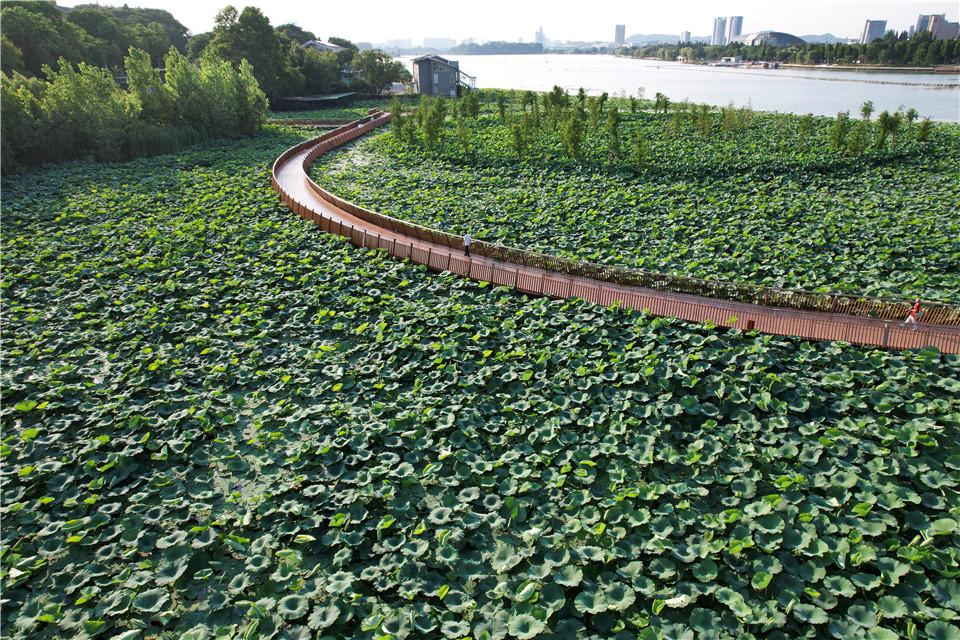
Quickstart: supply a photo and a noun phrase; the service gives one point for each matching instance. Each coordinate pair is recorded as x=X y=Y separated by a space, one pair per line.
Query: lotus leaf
x=590 y=602
x=939 y=630
x=151 y=601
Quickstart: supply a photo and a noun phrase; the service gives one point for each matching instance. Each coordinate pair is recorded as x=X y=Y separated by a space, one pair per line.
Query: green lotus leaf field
x=218 y=422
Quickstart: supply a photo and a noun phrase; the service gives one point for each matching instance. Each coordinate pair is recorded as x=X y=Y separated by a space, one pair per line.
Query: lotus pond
x=763 y=204
x=219 y=423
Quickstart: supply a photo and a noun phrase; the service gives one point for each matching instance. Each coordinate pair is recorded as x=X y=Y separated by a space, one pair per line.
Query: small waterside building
x=436 y=76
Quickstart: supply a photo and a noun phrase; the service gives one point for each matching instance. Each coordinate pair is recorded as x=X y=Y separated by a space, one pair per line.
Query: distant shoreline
x=947 y=69
x=861 y=67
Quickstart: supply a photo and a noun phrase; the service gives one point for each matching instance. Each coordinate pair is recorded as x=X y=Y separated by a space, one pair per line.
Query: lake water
x=818 y=91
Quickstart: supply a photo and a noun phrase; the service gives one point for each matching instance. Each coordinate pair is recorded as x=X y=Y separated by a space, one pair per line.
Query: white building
x=719 y=32
x=620 y=35
x=736 y=27
x=872 y=30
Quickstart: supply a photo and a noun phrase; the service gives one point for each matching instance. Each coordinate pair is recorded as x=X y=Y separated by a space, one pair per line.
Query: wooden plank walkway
x=334 y=215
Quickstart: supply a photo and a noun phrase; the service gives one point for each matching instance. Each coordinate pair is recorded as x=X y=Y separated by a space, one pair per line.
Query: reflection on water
x=817 y=91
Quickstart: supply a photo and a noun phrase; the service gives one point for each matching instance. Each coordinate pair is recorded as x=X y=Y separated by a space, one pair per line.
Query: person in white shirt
x=466 y=244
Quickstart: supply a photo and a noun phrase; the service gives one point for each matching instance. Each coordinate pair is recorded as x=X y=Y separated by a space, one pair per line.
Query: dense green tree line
x=82 y=112
x=62 y=76
x=35 y=34
x=892 y=50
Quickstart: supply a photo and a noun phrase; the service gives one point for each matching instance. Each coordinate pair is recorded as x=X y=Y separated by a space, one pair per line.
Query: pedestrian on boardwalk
x=466 y=244
x=912 y=318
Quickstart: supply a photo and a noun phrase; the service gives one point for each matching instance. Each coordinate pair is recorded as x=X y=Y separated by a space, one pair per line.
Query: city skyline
x=500 y=20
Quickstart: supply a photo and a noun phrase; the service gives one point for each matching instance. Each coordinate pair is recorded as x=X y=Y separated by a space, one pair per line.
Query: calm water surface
x=818 y=91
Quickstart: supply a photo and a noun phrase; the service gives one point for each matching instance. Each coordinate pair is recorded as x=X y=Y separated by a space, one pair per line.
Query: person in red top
x=912 y=318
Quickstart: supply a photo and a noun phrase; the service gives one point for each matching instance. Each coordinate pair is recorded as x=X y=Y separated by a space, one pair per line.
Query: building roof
x=777 y=38
x=435 y=59
x=321 y=45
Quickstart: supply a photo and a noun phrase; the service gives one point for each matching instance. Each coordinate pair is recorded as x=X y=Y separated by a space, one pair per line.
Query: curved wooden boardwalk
x=433 y=249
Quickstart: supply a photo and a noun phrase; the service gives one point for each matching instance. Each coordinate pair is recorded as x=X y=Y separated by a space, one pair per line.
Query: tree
x=112 y=38
x=893 y=126
x=806 y=128
x=374 y=72
x=319 y=68
x=471 y=104
x=839 y=130
x=147 y=89
x=866 y=109
x=641 y=149
x=501 y=105
x=705 y=121
x=250 y=105
x=249 y=36
x=463 y=137
x=911 y=115
x=572 y=133
x=20 y=142
x=518 y=141
x=396 y=110
x=888 y=125
x=197 y=44
x=433 y=124
x=11 y=58
x=345 y=57
x=134 y=17
x=295 y=33
x=36 y=37
x=924 y=130
x=662 y=102
x=595 y=107
x=613 y=133
x=883 y=126
x=86 y=111
x=856 y=143
x=729 y=120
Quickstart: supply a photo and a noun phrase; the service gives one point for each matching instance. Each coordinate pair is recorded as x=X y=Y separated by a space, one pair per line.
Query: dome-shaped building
x=773 y=38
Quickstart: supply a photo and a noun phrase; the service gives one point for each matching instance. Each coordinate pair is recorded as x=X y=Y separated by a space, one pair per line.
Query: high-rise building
x=684 y=36
x=943 y=29
x=620 y=35
x=719 y=31
x=923 y=23
x=735 y=27
x=439 y=43
x=540 y=38
x=872 y=30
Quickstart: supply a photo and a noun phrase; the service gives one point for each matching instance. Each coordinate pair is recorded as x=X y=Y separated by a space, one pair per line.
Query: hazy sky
x=380 y=20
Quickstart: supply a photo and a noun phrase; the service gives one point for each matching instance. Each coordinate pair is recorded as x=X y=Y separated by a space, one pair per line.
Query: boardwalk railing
x=739 y=295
